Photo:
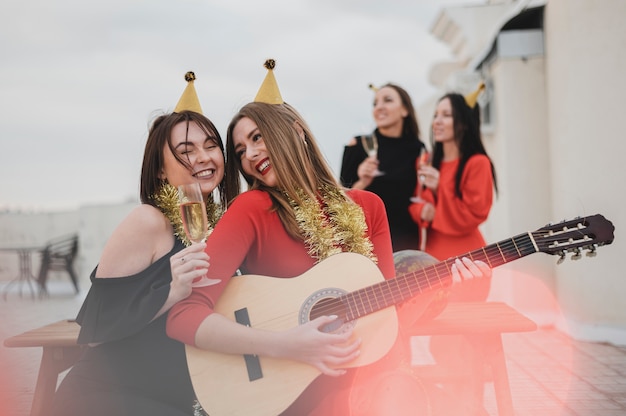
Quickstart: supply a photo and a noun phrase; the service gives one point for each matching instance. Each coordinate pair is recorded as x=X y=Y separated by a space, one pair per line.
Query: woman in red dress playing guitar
x=294 y=218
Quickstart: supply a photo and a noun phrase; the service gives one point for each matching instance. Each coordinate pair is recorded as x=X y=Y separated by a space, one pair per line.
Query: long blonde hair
x=301 y=169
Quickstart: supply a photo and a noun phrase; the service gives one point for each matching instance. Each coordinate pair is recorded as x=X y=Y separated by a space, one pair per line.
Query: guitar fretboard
x=393 y=291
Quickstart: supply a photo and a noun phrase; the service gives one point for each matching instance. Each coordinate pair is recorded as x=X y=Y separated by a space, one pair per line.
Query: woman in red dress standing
x=456 y=190
x=455 y=196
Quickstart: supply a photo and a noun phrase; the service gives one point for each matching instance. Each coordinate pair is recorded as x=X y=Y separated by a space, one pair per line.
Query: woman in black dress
x=130 y=366
x=392 y=172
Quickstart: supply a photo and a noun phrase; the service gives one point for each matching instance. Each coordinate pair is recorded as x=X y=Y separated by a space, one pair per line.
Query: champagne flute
x=423 y=160
x=370 y=144
x=195 y=222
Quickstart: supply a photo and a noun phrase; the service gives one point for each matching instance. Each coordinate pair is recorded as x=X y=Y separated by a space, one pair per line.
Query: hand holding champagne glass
x=370 y=144
x=195 y=222
x=423 y=160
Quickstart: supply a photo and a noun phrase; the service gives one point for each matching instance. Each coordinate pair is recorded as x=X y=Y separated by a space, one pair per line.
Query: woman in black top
x=129 y=365
x=392 y=173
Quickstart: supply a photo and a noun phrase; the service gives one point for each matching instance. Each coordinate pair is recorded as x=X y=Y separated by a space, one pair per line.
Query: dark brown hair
x=467 y=136
x=159 y=136
x=296 y=158
x=410 y=127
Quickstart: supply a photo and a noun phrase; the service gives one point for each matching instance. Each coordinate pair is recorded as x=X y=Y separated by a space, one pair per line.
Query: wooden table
x=60 y=352
x=482 y=325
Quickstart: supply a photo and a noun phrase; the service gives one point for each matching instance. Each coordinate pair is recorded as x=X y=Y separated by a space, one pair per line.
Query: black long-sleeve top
x=397 y=157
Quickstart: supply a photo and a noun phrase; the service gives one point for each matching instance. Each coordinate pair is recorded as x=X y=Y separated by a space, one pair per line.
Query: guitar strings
x=389 y=292
x=393 y=291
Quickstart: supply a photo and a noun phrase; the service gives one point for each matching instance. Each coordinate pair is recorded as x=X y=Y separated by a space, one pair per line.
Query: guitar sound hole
x=329 y=306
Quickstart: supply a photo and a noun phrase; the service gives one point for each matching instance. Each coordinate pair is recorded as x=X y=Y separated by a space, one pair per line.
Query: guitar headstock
x=584 y=233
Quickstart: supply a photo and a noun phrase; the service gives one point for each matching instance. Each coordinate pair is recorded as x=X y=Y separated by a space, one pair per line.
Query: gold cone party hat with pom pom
x=189 y=100
x=269 y=92
x=471 y=98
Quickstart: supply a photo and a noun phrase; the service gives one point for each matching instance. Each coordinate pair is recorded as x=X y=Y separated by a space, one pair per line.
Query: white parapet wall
x=93 y=224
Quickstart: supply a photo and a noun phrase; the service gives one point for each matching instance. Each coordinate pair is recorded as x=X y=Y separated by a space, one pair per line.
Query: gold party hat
x=189 y=100
x=471 y=98
x=373 y=87
x=269 y=92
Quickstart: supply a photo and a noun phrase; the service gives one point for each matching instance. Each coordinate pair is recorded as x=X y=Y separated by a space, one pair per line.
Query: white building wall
x=518 y=145
x=93 y=224
x=586 y=46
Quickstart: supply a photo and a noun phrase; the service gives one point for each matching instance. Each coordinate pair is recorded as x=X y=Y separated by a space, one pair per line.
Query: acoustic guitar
x=352 y=287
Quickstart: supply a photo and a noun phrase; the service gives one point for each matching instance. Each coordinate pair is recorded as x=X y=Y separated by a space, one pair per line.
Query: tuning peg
x=561 y=257
x=591 y=251
x=576 y=255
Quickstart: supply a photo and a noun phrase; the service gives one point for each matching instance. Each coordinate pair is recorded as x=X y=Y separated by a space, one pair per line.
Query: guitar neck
x=394 y=291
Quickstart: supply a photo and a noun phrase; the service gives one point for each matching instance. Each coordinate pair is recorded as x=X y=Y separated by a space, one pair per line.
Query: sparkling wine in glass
x=370 y=144
x=195 y=222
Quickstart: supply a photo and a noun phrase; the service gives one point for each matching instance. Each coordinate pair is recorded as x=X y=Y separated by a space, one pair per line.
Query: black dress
x=137 y=369
x=397 y=157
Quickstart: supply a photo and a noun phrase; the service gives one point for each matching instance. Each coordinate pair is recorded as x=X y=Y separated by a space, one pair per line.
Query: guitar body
x=273 y=304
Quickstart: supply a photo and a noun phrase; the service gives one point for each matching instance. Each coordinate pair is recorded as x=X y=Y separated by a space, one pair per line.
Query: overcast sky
x=80 y=81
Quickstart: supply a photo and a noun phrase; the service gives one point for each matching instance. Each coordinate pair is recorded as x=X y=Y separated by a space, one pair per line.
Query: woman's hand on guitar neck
x=326 y=351
x=465 y=269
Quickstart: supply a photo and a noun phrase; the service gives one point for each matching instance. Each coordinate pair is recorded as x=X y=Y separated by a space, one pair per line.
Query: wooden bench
x=60 y=352
x=481 y=323
x=59 y=254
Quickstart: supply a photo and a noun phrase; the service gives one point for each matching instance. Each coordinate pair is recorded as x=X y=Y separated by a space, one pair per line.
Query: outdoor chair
x=59 y=254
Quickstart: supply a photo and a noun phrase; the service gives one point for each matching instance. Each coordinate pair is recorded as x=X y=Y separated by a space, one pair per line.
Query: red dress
x=454 y=230
x=252 y=238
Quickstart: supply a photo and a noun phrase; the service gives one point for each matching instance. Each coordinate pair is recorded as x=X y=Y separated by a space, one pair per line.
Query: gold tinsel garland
x=332 y=225
x=167 y=201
